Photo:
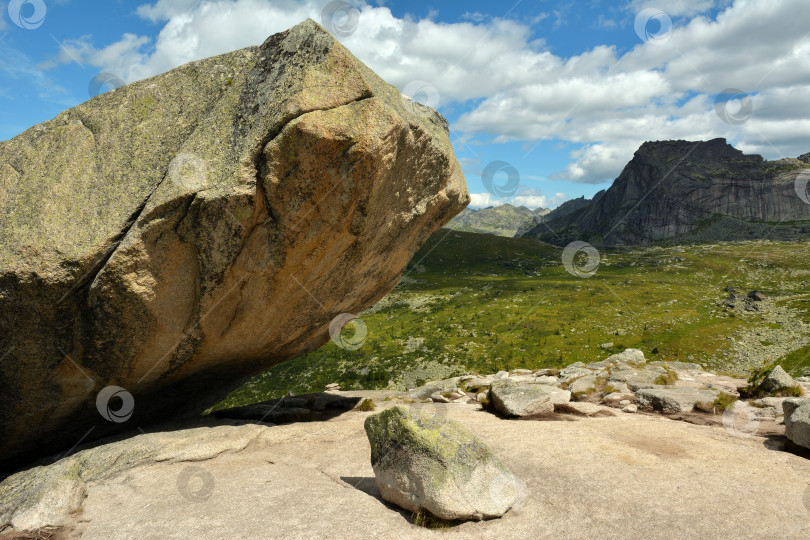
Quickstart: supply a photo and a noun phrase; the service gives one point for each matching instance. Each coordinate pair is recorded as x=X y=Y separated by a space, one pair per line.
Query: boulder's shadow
x=780 y=443
x=318 y=407
x=368 y=485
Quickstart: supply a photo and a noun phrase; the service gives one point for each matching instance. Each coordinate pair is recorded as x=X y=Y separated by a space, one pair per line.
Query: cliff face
x=675 y=188
x=503 y=220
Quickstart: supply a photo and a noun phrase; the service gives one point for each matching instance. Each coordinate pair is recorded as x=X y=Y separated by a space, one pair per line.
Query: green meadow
x=472 y=303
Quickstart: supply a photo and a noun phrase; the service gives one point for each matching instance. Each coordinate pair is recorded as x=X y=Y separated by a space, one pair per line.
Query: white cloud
x=675 y=7
x=605 y=102
x=527 y=197
x=483 y=200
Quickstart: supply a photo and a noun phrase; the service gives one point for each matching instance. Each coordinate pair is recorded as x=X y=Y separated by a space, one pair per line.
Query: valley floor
x=472 y=303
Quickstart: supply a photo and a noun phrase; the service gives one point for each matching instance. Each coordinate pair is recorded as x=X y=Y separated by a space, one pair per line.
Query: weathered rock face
x=425 y=461
x=671 y=188
x=179 y=234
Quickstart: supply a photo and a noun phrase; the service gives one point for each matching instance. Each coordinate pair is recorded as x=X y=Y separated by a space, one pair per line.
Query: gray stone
x=626 y=356
x=582 y=385
x=777 y=380
x=520 y=399
x=606 y=346
x=630 y=408
x=674 y=400
x=618 y=398
x=424 y=461
x=437 y=397
x=584 y=409
x=427 y=390
x=797 y=420
x=546 y=379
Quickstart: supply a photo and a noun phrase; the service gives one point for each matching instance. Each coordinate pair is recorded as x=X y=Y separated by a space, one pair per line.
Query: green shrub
x=723 y=401
x=366 y=405
x=668 y=379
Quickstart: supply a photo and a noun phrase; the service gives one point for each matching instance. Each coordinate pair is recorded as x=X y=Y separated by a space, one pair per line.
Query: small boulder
x=546 y=379
x=616 y=399
x=438 y=397
x=797 y=420
x=756 y=296
x=777 y=380
x=583 y=385
x=520 y=399
x=606 y=346
x=424 y=461
x=626 y=356
x=630 y=408
x=674 y=400
x=585 y=409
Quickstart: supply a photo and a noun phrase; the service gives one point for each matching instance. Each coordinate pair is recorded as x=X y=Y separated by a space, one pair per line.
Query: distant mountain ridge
x=503 y=220
x=690 y=191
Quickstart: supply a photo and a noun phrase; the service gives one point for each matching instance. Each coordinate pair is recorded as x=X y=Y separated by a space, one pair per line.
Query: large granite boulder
x=422 y=461
x=165 y=241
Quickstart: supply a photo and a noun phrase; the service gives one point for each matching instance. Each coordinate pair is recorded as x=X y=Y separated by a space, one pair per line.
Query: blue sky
x=560 y=92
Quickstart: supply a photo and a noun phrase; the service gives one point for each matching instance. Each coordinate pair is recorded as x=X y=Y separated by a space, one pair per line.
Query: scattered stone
x=519 y=399
x=583 y=385
x=522 y=371
x=797 y=420
x=427 y=390
x=606 y=346
x=674 y=400
x=618 y=398
x=630 y=408
x=423 y=461
x=303 y=408
x=627 y=356
x=584 y=409
x=475 y=383
x=437 y=397
x=756 y=296
x=778 y=379
x=502 y=375
x=546 y=379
